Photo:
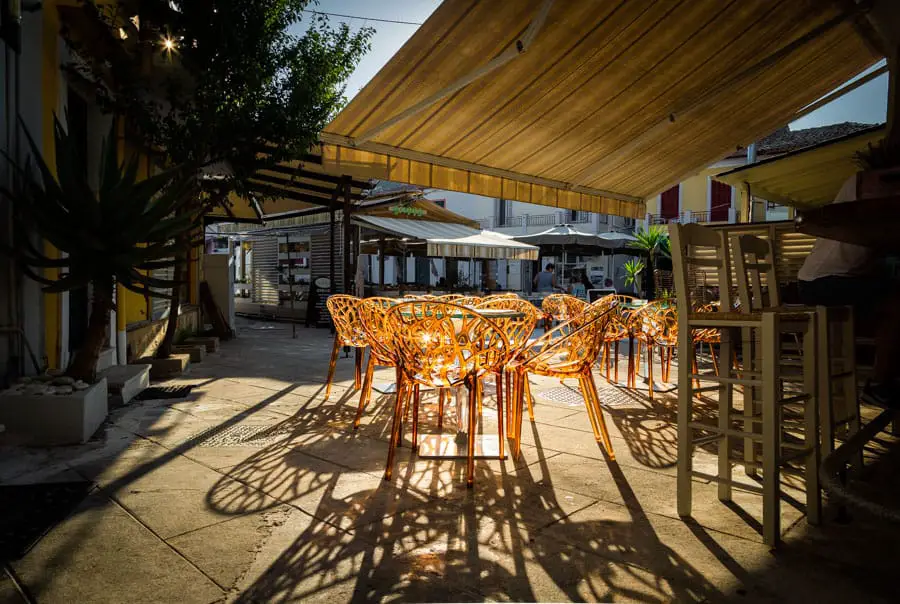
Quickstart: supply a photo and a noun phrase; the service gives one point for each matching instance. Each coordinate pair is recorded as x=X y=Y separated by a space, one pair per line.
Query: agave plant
x=107 y=237
x=633 y=268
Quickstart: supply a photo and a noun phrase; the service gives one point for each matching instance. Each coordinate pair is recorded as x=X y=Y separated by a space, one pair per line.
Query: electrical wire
x=318 y=12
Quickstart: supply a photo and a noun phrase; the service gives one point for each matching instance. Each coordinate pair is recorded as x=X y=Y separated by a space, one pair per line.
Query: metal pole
x=347 y=235
x=331 y=237
x=291 y=285
x=381 y=247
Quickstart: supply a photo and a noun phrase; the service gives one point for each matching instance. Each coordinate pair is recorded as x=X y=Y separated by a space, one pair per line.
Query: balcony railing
x=530 y=220
x=690 y=217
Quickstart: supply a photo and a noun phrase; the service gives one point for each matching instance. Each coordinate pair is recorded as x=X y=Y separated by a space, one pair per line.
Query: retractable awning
x=451 y=240
x=590 y=105
x=805 y=178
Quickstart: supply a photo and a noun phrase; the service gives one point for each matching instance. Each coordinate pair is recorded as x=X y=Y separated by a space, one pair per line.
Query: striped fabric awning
x=450 y=240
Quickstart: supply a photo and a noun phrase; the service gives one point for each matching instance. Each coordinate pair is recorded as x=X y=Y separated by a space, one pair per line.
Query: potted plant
x=633 y=268
x=654 y=242
x=107 y=237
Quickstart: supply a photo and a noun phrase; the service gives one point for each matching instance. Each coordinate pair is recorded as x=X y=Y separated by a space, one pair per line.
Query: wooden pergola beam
x=300 y=187
x=329 y=178
x=271 y=191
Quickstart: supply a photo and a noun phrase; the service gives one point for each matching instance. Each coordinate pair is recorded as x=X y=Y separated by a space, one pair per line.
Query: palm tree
x=654 y=242
x=118 y=234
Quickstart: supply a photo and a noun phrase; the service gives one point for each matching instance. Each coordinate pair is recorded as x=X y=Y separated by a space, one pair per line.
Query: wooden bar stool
x=697 y=247
x=757 y=275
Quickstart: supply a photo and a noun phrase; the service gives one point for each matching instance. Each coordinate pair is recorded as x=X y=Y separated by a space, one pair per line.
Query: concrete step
x=211 y=342
x=126 y=381
x=161 y=369
x=196 y=351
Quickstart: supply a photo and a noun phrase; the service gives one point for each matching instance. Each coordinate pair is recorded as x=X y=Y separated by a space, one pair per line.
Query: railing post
x=524 y=224
x=686 y=217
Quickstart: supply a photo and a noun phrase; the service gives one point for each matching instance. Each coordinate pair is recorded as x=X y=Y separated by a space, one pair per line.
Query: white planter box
x=53 y=419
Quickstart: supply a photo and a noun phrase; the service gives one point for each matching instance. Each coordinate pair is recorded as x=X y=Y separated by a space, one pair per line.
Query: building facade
x=38 y=89
x=700 y=198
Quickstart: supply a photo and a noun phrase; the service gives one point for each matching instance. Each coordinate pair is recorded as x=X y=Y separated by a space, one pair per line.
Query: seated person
x=843 y=274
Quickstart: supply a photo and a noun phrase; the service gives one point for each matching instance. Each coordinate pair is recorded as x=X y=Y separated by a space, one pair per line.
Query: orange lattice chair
x=348 y=331
x=442 y=345
x=654 y=326
x=568 y=351
x=518 y=330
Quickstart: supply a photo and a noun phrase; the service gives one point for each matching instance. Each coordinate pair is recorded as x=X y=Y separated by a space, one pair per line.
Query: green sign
x=407 y=210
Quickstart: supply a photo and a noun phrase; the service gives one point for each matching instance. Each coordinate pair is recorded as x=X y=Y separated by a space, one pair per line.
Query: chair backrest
x=344 y=315
x=656 y=323
x=373 y=319
x=690 y=264
x=579 y=346
x=449 y=297
x=441 y=344
x=518 y=329
x=563 y=307
x=757 y=274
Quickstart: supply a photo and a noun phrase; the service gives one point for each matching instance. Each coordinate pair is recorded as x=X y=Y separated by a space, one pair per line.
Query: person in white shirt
x=843 y=274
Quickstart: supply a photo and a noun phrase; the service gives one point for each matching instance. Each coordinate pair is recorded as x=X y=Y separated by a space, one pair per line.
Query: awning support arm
x=520 y=46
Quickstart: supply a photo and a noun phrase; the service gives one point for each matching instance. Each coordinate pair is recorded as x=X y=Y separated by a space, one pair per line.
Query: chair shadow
x=424 y=537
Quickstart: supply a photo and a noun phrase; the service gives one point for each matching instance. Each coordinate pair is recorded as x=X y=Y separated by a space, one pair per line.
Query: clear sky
x=868 y=103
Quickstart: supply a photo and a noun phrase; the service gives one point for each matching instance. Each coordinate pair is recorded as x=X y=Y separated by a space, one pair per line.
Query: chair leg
x=357 y=376
x=811 y=415
x=584 y=386
x=510 y=397
x=629 y=379
x=650 y=370
x=712 y=355
x=500 y=401
x=685 y=435
x=598 y=412
x=470 y=465
x=331 y=366
x=526 y=390
x=442 y=395
x=519 y=379
x=366 y=393
x=606 y=359
x=615 y=362
x=415 y=423
x=695 y=367
x=395 y=428
x=479 y=398
x=770 y=431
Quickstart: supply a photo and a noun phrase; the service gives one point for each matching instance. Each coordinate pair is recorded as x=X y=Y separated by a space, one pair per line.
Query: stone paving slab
x=102 y=554
x=256 y=489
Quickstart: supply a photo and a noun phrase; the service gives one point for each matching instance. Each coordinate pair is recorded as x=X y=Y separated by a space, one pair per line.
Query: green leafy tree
x=247 y=89
x=107 y=237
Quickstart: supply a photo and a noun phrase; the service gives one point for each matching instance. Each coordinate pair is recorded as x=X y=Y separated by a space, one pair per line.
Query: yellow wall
x=694 y=193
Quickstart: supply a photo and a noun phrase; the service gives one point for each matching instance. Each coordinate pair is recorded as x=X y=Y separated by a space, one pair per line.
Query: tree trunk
x=84 y=365
x=180 y=270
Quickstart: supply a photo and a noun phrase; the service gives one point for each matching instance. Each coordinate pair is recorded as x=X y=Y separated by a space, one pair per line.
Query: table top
x=489 y=313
